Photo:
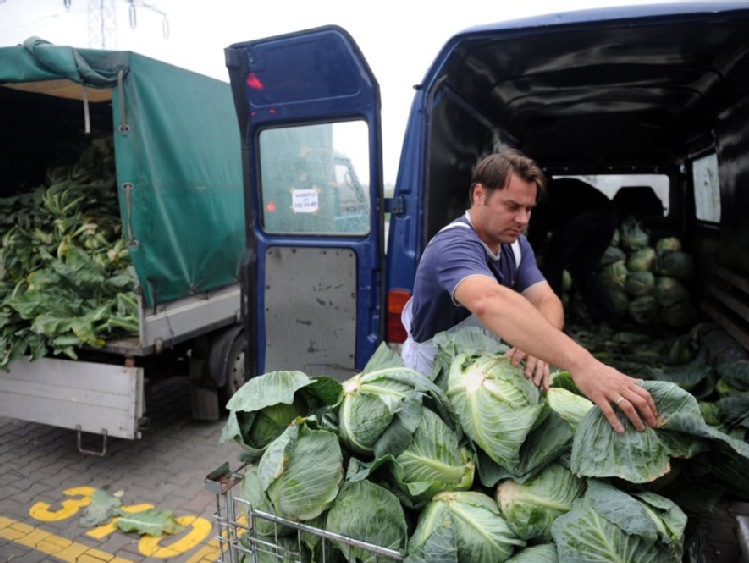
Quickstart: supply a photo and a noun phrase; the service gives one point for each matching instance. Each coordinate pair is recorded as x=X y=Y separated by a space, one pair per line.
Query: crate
x=236 y=522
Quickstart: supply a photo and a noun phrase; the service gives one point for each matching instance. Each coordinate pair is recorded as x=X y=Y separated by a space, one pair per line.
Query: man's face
x=500 y=216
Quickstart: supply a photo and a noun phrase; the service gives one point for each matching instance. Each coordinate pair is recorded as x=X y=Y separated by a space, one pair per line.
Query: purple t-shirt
x=452 y=255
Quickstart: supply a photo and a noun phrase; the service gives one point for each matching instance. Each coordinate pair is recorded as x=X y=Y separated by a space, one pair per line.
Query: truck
x=180 y=196
x=648 y=102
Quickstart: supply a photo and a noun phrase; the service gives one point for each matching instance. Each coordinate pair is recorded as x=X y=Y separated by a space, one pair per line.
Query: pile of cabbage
x=648 y=281
x=476 y=464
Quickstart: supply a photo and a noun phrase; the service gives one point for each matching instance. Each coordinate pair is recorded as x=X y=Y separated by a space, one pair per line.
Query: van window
x=311 y=179
x=706 y=188
x=642 y=195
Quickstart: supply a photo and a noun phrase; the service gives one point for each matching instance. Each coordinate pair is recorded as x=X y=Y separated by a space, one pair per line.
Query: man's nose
x=523 y=216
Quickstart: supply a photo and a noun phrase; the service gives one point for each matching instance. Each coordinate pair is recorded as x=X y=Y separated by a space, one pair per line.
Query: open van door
x=309 y=116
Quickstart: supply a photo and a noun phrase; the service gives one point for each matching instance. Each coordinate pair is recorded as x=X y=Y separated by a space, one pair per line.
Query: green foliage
x=65 y=275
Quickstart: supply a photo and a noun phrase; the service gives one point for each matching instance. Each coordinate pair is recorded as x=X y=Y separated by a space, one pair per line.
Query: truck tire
x=227 y=364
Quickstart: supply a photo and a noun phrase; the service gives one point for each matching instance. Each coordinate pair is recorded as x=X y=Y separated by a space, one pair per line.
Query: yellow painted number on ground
x=158 y=547
x=153 y=546
x=41 y=510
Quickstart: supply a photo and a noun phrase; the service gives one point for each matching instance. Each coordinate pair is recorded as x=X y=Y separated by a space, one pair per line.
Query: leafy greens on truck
x=66 y=278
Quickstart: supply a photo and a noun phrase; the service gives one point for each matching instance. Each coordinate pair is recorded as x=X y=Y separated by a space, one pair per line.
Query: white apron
x=419 y=356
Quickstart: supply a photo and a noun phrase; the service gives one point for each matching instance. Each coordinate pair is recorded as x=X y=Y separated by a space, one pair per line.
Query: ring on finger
x=619 y=400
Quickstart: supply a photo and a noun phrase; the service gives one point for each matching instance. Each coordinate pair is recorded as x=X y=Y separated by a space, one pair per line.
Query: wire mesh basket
x=239 y=541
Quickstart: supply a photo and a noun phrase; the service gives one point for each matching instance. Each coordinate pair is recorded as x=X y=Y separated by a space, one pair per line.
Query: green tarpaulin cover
x=176 y=144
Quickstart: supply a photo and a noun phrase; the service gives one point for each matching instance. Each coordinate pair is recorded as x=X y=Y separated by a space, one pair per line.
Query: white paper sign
x=304 y=201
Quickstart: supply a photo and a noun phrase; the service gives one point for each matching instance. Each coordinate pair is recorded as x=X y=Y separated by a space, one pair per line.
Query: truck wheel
x=232 y=368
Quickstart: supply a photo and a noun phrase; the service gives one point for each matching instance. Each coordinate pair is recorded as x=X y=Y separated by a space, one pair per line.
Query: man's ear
x=477 y=194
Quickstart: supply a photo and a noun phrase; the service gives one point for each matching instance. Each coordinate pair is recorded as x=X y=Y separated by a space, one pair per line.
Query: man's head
x=494 y=171
x=504 y=189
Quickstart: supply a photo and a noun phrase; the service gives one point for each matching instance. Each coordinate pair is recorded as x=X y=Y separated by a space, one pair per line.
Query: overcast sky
x=399 y=40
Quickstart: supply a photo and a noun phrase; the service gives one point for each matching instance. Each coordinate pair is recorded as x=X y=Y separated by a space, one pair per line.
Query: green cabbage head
x=380 y=408
x=496 y=404
x=462 y=526
x=530 y=508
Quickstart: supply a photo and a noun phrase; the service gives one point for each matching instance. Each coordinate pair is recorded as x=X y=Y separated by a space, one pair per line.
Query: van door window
x=706 y=188
x=311 y=179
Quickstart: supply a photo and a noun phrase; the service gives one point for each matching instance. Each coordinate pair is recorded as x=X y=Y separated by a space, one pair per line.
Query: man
x=480 y=269
x=581 y=221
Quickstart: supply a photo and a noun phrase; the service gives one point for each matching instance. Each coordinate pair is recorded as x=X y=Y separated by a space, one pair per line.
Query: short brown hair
x=493 y=171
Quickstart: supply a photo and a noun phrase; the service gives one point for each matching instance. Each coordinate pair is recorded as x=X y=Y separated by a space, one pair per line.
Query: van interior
x=656 y=115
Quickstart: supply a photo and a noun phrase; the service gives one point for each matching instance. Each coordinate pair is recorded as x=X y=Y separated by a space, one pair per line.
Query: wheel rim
x=236 y=371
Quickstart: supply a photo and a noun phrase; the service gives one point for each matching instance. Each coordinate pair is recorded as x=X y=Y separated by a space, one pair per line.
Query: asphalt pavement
x=46 y=483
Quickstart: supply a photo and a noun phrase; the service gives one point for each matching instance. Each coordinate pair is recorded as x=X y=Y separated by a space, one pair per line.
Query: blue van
x=649 y=103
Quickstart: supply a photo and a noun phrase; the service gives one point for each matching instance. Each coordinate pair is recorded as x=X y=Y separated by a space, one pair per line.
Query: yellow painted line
x=51 y=544
x=74 y=552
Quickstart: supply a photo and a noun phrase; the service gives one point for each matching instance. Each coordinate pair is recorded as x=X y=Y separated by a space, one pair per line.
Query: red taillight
x=397 y=299
x=254 y=82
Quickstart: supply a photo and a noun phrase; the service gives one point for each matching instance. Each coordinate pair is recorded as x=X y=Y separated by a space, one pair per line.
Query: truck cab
x=649 y=103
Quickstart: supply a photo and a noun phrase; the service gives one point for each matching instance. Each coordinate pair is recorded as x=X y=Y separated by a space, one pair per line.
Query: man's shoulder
x=457 y=230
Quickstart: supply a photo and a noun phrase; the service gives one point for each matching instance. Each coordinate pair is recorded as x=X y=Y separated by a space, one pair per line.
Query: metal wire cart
x=237 y=524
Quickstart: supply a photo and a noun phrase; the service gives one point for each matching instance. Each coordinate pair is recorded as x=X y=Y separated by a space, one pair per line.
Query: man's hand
x=536 y=370
x=611 y=389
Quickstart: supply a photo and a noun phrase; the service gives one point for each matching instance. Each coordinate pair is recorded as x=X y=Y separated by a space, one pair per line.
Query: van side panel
x=732 y=148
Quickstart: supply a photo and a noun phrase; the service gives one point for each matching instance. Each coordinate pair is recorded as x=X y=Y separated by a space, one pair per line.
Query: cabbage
x=639 y=283
x=462 y=526
x=679 y=315
x=570 y=406
x=497 y=406
x=644 y=310
x=675 y=264
x=265 y=405
x=642 y=457
x=736 y=374
x=611 y=255
x=669 y=290
x=542 y=553
x=614 y=275
x=465 y=340
x=530 y=508
x=668 y=243
x=301 y=470
x=641 y=260
x=370 y=513
x=252 y=492
x=608 y=524
x=381 y=407
x=434 y=462
x=712 y=414
x=620 y=299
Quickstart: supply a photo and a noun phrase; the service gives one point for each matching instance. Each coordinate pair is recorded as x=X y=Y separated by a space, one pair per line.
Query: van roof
x=630 y=82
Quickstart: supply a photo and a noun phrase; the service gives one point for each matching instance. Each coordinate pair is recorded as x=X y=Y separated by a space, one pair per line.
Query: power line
x=102 y=20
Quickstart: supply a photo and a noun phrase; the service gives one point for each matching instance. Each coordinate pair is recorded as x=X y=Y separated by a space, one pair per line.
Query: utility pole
x=102 y=21
x=102 y=24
